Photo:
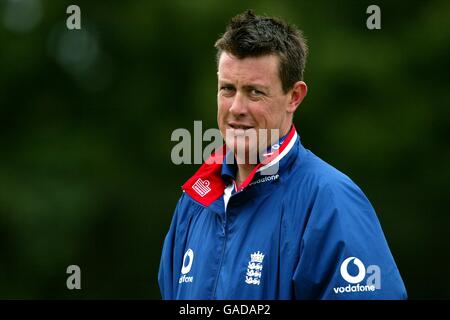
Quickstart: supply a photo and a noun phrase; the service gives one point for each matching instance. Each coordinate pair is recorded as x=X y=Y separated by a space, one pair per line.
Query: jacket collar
x=229 y=166
x=208 y=183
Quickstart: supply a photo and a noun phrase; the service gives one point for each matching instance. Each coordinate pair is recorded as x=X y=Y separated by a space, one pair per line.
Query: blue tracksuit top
x=297 y=228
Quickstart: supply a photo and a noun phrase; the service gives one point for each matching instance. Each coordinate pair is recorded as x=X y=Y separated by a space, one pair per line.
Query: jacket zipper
x=224 y=226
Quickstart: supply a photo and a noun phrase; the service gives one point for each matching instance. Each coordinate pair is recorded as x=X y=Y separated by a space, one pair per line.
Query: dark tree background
x=86 y=119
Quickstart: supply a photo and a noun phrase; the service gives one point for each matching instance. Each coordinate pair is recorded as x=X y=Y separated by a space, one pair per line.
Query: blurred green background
x=86 y=119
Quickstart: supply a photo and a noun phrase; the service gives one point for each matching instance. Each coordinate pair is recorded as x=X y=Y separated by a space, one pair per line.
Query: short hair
x=250 y=35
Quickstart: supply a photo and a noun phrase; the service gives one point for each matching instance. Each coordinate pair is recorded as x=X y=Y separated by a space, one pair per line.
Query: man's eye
x=256 y=92
x=226 y=89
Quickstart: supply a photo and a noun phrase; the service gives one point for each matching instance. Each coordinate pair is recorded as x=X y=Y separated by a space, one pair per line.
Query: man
x=288 y=226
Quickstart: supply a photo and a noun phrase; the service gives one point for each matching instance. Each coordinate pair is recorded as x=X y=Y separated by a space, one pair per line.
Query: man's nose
x=239 y=105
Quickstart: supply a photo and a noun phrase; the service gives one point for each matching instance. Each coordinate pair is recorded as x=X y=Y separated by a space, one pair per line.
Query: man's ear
x=296 y=95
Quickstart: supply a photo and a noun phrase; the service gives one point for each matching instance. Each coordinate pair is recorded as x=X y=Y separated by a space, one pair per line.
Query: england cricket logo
x=254 y=268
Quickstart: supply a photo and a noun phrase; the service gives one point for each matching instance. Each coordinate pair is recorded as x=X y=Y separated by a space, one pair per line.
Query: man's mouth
x=239 y=126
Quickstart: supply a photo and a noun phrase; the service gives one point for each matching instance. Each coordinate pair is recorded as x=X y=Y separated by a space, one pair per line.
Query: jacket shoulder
x=314 y=174
x=186 y=208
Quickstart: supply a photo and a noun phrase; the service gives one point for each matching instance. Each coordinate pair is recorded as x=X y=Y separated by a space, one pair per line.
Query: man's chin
x=244 y=153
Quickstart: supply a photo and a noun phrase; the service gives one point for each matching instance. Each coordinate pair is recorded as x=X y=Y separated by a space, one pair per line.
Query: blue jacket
x=302 y=231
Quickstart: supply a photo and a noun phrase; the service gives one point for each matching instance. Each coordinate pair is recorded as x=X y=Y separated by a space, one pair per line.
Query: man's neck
x=243 y=171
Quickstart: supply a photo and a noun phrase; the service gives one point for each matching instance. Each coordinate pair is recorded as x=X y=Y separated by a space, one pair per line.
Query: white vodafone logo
x=189 y=255
x=373 y=273
x=361 y=270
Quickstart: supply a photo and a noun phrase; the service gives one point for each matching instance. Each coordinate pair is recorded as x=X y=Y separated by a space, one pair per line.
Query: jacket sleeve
x=166 y=277
x=343 y=251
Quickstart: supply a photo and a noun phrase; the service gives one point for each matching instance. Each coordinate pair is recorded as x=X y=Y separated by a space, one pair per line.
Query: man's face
x=250 y=98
